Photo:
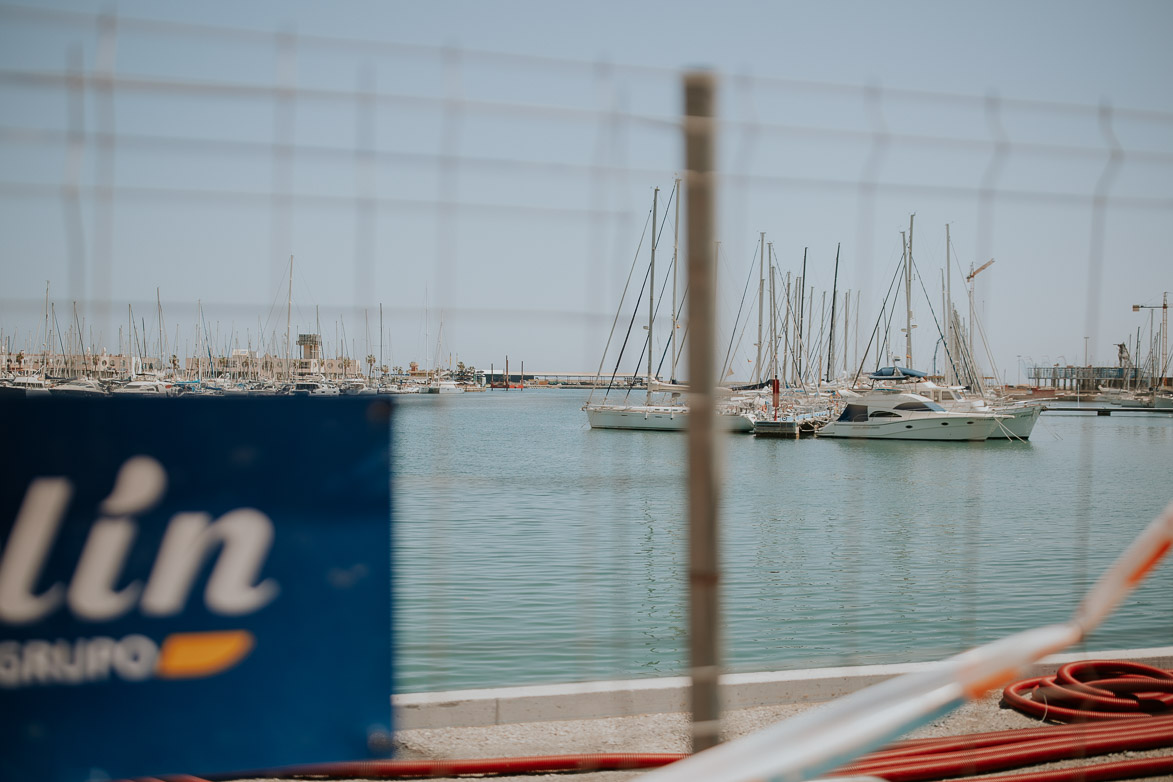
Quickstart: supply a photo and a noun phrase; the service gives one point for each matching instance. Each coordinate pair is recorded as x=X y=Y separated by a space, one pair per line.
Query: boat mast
x=831 y=339
x=675 y=252
x=908 y=296
x=801 y=342
x=651 y=292
x=773 y=320
x=288 y=320
x=950 y=375
x=761 y=304
x=1164 y=337
x=48 y=344
x=773 y=337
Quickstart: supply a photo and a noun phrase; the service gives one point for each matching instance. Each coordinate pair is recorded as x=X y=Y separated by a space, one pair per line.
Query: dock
x=791 y=426
x=1107 y=410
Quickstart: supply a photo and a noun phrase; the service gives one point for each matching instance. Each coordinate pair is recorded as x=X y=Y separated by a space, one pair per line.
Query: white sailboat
x=670 y=415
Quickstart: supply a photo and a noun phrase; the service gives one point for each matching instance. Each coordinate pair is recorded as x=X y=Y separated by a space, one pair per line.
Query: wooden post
x=703 y=568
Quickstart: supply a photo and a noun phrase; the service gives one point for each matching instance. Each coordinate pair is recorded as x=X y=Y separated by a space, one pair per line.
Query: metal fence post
x=703 y=569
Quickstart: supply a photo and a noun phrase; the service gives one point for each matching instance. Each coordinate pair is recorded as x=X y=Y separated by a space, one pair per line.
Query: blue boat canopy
x=895 y=373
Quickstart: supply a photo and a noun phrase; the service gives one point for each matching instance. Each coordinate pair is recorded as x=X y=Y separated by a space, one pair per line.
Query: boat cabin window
x=854 y=413
x=922 y=405
x=883 y=414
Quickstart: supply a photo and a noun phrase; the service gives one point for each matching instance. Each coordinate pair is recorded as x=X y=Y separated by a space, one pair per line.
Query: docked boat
x=82 y=386
x=663 y=408
x=659 y=418
x=436 y=386
x=308 y=387
x=145 y=388
x=25 y=385
x=885 y=413
x=1017 y=419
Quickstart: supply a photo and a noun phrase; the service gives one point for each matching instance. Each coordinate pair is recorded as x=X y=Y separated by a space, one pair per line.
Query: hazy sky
x=484 y=170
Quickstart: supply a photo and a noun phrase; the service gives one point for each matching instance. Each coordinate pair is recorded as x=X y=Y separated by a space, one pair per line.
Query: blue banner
x=192 y=585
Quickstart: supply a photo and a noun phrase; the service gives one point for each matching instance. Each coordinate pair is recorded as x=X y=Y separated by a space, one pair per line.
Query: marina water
x=533 y=549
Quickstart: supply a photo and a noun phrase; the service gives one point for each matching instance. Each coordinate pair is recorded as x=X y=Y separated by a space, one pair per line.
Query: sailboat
x=1018 y=418
x=651 y=415
x=892 y=409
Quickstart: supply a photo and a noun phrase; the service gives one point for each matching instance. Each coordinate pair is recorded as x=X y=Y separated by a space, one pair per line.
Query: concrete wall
x=592 y=700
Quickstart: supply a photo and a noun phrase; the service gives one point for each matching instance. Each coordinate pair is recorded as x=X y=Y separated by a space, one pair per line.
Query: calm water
x=531 y=548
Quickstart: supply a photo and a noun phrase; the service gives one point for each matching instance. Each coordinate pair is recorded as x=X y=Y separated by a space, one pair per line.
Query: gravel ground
x=669 y=733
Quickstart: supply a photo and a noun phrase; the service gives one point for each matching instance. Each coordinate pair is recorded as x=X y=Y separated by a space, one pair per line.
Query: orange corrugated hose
x=1115 y=707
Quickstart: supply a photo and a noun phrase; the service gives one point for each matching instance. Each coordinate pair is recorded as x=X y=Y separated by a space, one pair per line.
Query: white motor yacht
x=882 y=413
x=25 y=385
x=145 y=388
x=1019 y=417
x=82 y=386
x=441 y=387
x=314 y=388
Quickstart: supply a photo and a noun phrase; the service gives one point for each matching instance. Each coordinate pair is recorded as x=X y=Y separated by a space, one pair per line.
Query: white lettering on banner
x=244 y=537
x=40 y=662
x=28 y=546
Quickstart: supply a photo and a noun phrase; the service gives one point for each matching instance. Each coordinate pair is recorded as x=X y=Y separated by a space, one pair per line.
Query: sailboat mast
x=950 y=375
x=1164 y=337
x=288 y=322
x=773 y=321
x=675 y=255
x=908 y=296
x=652 y=291
x=47 y=343
x=761 y=303
x=801 y=343
x=831 y=339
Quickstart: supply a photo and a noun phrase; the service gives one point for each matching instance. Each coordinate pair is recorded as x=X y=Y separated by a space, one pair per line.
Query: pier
x=1100 y=410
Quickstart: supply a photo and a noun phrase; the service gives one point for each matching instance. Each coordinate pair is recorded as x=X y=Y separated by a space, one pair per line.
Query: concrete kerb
x=595 y=700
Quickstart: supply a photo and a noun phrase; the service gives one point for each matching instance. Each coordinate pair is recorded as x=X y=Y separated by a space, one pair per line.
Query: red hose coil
x=1094 y=691
x=1114 y=707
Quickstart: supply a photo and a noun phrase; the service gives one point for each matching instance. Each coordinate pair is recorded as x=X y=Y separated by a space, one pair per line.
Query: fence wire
x=446 y=205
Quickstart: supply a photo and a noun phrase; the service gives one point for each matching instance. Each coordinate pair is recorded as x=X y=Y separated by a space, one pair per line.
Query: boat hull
x=956 y=428
x=1018 y=423
x=657 y=419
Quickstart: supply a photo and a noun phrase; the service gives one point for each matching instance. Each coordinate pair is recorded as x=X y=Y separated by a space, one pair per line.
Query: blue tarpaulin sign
x=192 y=585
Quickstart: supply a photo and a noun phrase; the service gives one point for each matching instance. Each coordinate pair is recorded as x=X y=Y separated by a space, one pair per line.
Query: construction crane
x=978 y=270
x=975 y=380
x=1163 y=367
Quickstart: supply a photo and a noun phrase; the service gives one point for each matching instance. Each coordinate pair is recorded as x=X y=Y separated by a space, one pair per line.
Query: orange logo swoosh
x=198 y=655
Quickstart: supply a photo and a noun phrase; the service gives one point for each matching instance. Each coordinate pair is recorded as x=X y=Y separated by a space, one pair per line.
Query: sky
x=466 y=181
